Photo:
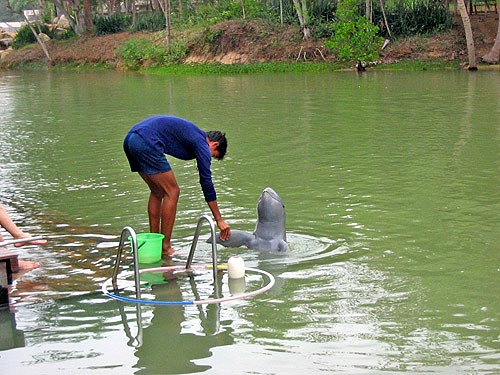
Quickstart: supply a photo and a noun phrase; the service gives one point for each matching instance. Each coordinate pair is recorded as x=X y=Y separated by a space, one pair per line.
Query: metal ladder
x=133 y=244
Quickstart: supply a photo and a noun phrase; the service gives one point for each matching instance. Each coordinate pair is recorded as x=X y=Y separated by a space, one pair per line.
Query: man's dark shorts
x=142 y=157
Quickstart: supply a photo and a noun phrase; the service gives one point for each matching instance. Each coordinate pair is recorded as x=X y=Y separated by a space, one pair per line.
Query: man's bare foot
x=168 y=252
x=27 y=265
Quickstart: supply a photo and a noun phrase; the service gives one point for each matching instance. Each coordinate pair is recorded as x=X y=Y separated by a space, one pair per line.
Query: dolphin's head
x=271 y=212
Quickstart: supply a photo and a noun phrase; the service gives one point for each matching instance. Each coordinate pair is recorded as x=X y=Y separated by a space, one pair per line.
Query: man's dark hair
x=217 y=136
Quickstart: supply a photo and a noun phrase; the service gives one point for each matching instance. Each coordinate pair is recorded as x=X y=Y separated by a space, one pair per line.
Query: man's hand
x=225 y=229
x=223 y=226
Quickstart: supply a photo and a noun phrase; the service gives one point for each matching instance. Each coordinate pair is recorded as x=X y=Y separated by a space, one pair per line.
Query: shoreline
x=254 y=68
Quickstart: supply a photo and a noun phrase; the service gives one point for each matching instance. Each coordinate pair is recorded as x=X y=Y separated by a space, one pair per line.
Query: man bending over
x=146 y=145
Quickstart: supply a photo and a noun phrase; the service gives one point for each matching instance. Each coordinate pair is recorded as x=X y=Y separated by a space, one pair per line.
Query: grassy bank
x=272 y=67
x=298 y=67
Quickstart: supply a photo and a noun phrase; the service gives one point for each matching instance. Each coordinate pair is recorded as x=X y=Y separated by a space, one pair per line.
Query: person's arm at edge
x=8 y=224
x=225 y=229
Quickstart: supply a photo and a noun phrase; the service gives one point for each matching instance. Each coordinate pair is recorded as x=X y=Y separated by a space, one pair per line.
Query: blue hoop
x=266 y=287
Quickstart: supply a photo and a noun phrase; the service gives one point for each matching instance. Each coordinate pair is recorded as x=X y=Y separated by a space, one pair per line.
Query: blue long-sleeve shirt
x=183 y=140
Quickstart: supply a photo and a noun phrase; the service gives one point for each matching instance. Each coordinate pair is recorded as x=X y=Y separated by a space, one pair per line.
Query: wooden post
x=4 y=284
x=8 y=265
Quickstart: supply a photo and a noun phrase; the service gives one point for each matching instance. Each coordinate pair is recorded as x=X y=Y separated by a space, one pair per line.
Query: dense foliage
x=118 y=22
x=136 y=51
x=111 y=24
x=404 y=17
x=407 y=18
x=151 y=21
x=25 y=36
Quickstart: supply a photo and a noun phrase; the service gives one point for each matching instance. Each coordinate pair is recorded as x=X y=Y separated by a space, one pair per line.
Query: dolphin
x=269 y=234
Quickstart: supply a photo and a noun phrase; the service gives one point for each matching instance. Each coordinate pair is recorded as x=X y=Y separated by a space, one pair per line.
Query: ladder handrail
x=133 y=244
x=214 y=244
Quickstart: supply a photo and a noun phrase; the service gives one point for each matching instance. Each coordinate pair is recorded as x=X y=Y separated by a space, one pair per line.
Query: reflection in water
x=163 y=339
x=169 y=329
x=11 y=337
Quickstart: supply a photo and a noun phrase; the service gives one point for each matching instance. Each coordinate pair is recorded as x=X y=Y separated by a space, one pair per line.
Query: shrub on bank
x=355 y=39
x=140 y=52
x=119 y=22
x=152 y=22
x=24 y=37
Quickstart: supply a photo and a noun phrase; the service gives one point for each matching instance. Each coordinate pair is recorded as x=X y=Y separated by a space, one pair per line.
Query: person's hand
x=225 y=229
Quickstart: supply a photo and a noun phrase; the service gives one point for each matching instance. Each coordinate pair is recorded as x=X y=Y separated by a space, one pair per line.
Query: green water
x=391 y=186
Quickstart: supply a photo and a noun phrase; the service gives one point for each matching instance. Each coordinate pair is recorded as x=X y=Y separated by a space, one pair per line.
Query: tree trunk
x=493 y=57
x=134 y=12
x=87 y=16
x=385 y=19
x=111 y=7
x=79 y=16
x=369 y=10
x=301 y=9
x=166 y=12
x=281 y=12
x=471 y=50
x=244 y=16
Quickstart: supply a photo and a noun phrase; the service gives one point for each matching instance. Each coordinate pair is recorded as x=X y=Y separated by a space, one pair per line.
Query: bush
x=211 y=13
x=322 y=30
x=138 y=52
x=416 y=17
x=113 y=24
x=355 y=39
x=64 y=35
x=178 y=51
x=149 y=21
x=25 y=36
x=134 y=52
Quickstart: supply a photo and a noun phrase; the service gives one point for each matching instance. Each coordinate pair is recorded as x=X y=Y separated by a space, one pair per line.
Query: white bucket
x=236 y=267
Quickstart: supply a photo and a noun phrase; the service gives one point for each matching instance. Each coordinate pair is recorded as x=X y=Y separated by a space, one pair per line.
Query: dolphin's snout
x=271 y=193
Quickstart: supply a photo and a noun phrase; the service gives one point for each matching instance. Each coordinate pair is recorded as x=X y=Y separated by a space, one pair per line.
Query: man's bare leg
x=162 y=205
x=154 y=210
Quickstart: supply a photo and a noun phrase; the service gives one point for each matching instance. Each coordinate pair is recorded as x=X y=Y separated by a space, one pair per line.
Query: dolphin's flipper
x=238 y=238
x=282 y=246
